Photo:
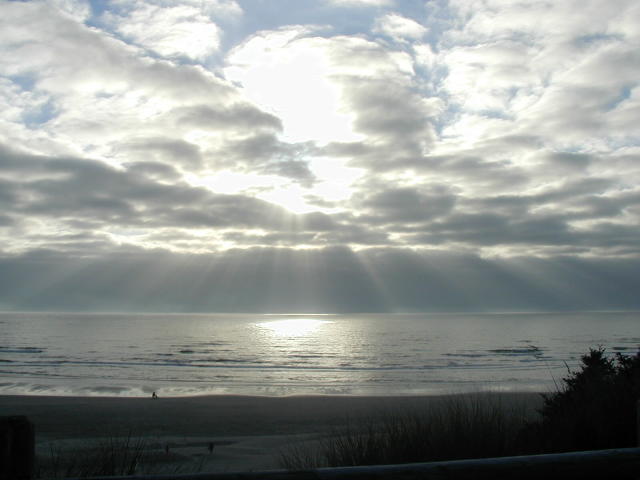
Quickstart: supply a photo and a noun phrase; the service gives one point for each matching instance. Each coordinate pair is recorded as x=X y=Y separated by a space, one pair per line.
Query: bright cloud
x=169 y=31
x=294 y=75
x=399 y=27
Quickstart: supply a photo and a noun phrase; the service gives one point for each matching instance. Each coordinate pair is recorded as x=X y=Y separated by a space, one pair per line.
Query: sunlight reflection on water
x=293 y=327
x=357 y=354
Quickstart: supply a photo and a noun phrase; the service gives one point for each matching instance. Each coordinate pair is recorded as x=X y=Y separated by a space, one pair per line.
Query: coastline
x=248 y=431
x=78 y=417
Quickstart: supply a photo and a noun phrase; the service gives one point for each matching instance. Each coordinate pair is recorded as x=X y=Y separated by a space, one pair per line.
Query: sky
x=319 y=155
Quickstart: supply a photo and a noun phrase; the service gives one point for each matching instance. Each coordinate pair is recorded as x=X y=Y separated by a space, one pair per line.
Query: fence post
x=17 y=448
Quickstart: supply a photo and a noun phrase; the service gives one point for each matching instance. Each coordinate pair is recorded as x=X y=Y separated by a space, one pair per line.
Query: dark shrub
x=596 y=408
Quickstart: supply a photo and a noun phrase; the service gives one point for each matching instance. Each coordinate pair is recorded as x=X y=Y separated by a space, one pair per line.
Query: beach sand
x=247 y=432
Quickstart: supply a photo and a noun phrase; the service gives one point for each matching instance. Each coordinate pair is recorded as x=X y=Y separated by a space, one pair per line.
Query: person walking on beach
x=154 y=396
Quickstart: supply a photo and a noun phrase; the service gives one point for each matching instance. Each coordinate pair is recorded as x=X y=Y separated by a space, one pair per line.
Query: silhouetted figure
x=210 y=448
x=154 y=396
x=166 y=449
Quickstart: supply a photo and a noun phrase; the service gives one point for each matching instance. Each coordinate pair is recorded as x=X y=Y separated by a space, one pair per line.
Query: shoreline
x=62 y=417
x=248 y=432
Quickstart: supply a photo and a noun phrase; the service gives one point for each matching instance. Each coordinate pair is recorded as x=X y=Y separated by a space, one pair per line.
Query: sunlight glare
x=231 y=183
x=290 y=197
x=293 y=327
x=292 y=78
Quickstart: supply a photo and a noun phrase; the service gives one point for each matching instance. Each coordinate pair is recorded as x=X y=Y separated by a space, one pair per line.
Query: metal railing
x=604 y=464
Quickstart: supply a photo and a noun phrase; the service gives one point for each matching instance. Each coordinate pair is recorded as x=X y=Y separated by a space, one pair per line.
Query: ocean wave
x=515 y=351
x=21 y=350
x=351 y=354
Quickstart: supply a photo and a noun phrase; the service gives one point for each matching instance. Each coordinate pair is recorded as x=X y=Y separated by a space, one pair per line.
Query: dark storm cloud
x=317 y=221
x=572 y=200
x=8 y=192
x=569 y=162
x=154 y=170
x=86 y=194
x=488 y=229
x=398 y=123
x=286 y=239
x=233 y=117
x=466 y=169
x=264 y=153
x=76 y=189
x=332 y=280
x=484 y=229
x=407 y=204
x=354 y=234
x=7 y=221
x=171 y=151
x=476 y=170
x=572 y=215
x=73 y=245
x=387 y=110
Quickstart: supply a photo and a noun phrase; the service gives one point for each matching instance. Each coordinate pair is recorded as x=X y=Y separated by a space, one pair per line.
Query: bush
x=596 y=408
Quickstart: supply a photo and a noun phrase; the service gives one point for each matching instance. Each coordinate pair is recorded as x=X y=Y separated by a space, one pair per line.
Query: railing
x=604 y=464
x=17 y=457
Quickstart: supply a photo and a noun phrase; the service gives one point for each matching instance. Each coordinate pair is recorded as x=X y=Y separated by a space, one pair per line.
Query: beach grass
x=594 y=407
x=456 y=427
x=115 y=455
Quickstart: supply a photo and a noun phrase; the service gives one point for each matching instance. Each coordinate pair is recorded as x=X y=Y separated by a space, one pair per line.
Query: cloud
x=68 y=57
x=399 y=27
x=65 y=191
x=177 y=152
x=527 y=61
x=289 y=74
x=333 y=280
x=244 y=116
x=99 y=90
x=311 y=81
x=407 y=205
x=155 y=170
x=174 y=31
x=119 y=103
x=79 y=10
x=444 y=150
x=361 y=3
x=264 y=153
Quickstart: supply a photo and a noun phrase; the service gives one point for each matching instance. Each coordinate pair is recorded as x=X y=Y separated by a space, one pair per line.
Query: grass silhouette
x=592 y=408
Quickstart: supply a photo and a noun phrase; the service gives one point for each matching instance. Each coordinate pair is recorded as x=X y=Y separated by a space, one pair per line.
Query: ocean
x=366 y=354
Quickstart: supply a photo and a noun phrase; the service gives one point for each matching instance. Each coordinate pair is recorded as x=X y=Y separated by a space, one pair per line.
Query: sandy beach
x=247 y=432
